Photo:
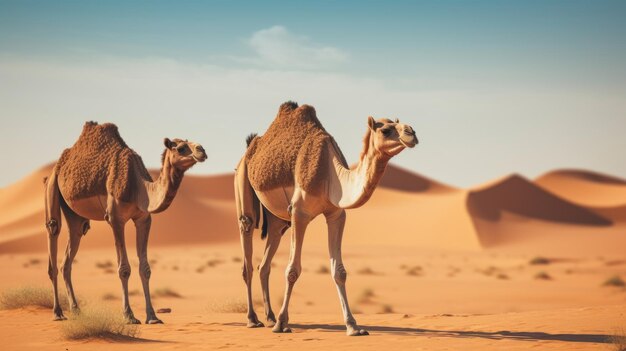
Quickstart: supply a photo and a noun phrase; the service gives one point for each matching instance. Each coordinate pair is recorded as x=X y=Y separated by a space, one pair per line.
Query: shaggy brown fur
x=294 y=144
x=100 y=157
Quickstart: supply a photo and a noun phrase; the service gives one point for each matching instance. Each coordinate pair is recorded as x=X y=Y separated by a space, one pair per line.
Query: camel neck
x=358 y=184
x=162 y=191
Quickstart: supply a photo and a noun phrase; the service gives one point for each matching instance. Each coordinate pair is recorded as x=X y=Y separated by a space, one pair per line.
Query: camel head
x=183 y=154
x=390 y=137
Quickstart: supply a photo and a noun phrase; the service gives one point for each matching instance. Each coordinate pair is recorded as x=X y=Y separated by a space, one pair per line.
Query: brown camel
x=297 y=172
x=101 y=178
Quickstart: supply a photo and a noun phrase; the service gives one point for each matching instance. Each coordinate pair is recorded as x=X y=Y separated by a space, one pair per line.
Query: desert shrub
x=366 y=296
x=98 y=323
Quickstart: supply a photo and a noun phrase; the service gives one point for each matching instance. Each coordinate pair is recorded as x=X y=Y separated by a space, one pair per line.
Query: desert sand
x=431 y=267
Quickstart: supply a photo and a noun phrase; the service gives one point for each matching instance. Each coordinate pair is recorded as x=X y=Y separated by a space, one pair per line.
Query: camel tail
x=264 y=226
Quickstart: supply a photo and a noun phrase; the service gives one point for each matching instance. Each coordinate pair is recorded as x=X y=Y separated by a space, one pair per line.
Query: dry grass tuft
x=98 y=323
x=618 y=341
x=166 y=292
x=543 y=276
x=237 y=259
x=616 y=281
x=415 y=271
x=366 y=296
x=322 y=270
x=539 y=260
x=502 y=276
x=386 y=309
x=366 y=271
x=104 y=265
x=109 y=297
x=28 y=296
x=228 y=306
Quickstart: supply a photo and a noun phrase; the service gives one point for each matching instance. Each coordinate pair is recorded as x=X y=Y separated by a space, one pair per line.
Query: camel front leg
x=78 y=226
x=276 y=228
x=142 y=226
x=123 y=266
x=299 y=222
x=248 y=219
x=53 y=226
x=336 y=222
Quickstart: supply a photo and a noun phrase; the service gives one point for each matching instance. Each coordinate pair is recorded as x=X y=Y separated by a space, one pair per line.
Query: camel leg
x=78 y=227
x=122 y=264
x=248 y=217
x=142 y=226
x=336 y=222
x=299 y=222
x=276 y=228
x=53 y=226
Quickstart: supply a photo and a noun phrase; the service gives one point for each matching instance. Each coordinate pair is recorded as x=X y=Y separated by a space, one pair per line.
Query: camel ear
x=168 y=143
x=397 y=120
x=371 y=122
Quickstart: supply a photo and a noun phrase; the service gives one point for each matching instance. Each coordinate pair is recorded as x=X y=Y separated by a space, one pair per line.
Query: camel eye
x=181 y=149
x=386 y=132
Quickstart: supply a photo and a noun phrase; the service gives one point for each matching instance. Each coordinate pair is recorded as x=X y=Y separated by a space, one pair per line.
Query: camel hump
x=272 y=158
x=100 y=163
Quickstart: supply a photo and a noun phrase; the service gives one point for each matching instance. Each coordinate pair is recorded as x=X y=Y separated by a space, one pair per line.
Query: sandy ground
x=457 y=300
x=431 y=267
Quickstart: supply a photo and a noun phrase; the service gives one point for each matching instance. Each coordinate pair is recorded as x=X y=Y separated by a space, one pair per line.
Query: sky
x=491 y=87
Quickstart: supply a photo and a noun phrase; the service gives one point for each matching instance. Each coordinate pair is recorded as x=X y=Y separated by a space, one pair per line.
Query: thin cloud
x=277 y=47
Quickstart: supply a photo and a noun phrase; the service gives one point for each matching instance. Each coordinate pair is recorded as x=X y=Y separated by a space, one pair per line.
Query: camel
x=101 y=178
x=295 y=172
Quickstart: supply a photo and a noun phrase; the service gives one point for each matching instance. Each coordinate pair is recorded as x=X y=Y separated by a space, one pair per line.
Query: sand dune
x=408 y=207
x=603 y=194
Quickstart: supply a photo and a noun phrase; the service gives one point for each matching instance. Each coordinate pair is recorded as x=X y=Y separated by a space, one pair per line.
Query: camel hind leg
x=77 y=226
x=275 y=228
x=53 y=226
x=248 y=216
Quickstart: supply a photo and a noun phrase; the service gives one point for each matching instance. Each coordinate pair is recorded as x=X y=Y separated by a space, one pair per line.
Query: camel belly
x=91 y=208
x=277 y=201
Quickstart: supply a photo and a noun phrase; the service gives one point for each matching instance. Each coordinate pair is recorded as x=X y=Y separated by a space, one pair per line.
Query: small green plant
x=98 y=323
x=615 y=281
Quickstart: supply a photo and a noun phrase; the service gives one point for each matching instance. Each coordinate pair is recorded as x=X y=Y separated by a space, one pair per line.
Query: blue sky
x=491 y=87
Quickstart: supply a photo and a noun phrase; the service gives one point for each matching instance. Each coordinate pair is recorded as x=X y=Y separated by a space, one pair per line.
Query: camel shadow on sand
x=498 y=335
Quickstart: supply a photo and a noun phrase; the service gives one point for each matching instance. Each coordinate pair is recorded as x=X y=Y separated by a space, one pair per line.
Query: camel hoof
x=59 y=318
x=154 y=321
x=279 y=329
x=270 y=323
x=357 y=332
x=254 y=324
